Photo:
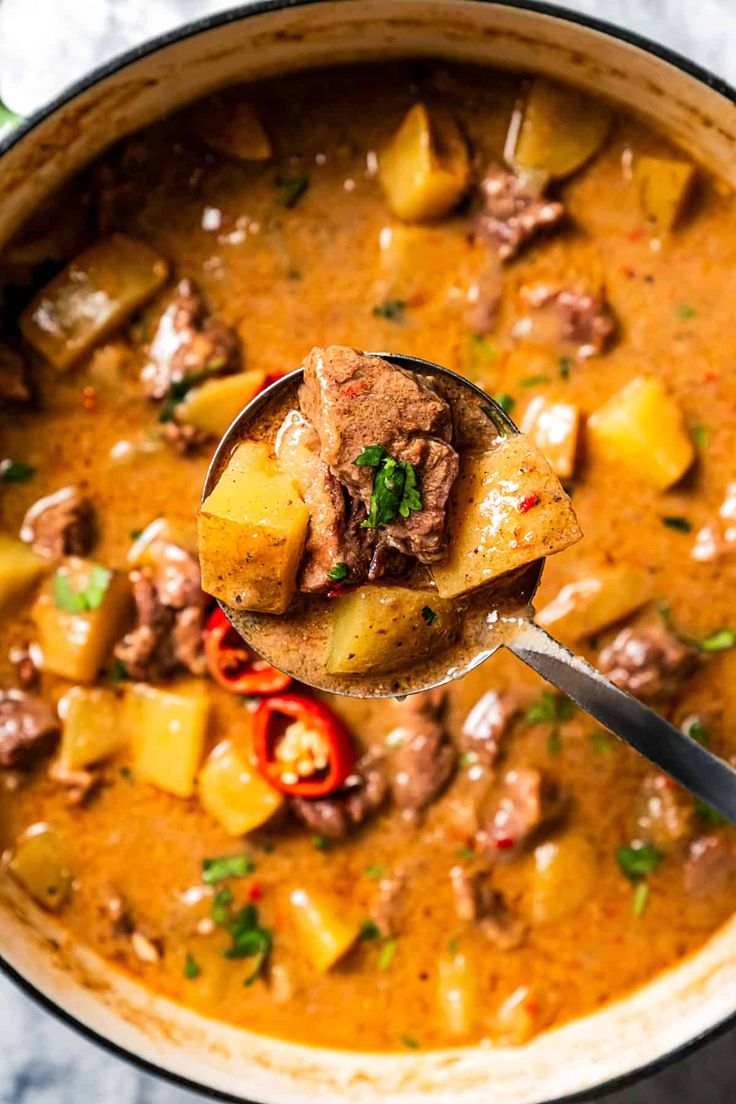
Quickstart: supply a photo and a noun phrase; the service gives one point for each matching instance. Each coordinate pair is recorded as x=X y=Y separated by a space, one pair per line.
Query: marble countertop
x=44 y=44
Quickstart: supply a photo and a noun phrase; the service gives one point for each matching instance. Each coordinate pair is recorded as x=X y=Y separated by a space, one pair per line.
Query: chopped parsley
x=482 y=345
x=15 y=471
x=369 y=930
x=696 y=730
x=719 y=641
x=375 y=872
x=637 y=860
x=550 y=709
x=534 y=381
x=675 y=521
x=708 y=813
x=118 y=672
x=393 y=310
x=565 y=367
x=685 y=312
x=192 y=969
x=134 y=534
x=249 y=939
x=81 y=601
x=228 y=866
x=395 y=492
x=554 y=742
x=699 y=434
x=319 y=843
x=387 y=954
x=338 y=572
x=292 y=189
x=505 y=401
x=410 y=1042
x=179 y=389
x=453 y=946
x=429 y=615
x=467 y=854
x=601 y=742
x=127 y=773
x=640 y=898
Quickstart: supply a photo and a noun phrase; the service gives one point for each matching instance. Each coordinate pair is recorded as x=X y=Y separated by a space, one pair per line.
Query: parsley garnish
x=483 y=346
x=699 y=435
x=369 y=930
x=429 y=615
x=192 y=969
x=565 y=367
x=375 y=872
x=708 y=813
x=221 y=906
x=387 y=953
x=393 y=310
x=505 y=401
x=696 y=730
x=292 y=189
x=675 y=521
x=554 y=742
x=410 y=1042
x=118 y=672
x=250 y=940
x=395 y=492
x=180 y=388
x=534 y=381
x=638 y=860
x=338 y=572
x=685 y=312
x=719 y=641
x=453 y=946
x=467 y=854
x=319 y=843
x=134 y=534
x=127 y=773
x=81 y=601
x=228 y=866
x=550 y=709
x=15 y=471
x=601 y=742
x=639 y=902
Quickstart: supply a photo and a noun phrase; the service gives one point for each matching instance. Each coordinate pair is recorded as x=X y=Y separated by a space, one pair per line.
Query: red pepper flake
x=353 y=389
x=628 y=271
x=528 y=503
x=504 y=843
x=636 y=235
x=711 y=377
x=255 y=893
x=532 y=1007
x=338 y=590
x=272 y=377
x=89 y=398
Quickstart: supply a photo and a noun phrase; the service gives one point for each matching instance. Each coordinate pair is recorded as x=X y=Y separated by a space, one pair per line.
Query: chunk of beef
x=60 y=524
x=354 y=401
x=486 y=724
x=187 y=342
x=362 y=795
x=387 y=903
x=476 y=900
x=647 y=661
x=170 y=611
x=710 y=866
x=185 y=440
x=29 y=729
x=585 y=322
x=527 y=803
x=663 y=812
x=512 y=213
x=425 y=759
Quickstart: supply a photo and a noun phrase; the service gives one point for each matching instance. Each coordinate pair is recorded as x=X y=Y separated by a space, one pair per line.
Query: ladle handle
x=683 y=758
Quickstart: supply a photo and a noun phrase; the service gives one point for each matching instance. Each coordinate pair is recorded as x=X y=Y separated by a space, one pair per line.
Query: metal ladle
x=671 y=750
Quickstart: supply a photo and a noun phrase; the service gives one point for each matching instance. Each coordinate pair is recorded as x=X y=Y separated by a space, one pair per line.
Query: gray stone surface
x=43 y=45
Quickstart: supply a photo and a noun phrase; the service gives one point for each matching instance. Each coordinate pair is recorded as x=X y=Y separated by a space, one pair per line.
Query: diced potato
x=238 y=133
x=664 y=186
x=416 y=263
x=554 y=429
x=93 y=295
x=147 y=550
x=507 y=509
x=517 y=1018
x=424 y=170
x=94 y=726
x=252 y=529
x=233 y=791
x=41 y=864
x=168 y=730
x=20 y=568
x=642 y=428
x=566 y=871
x=377 y=628
x=213 y=406
x=326 y=928
x=588 y=605
x=561 y=129
x=75 y=642
x=457 y=994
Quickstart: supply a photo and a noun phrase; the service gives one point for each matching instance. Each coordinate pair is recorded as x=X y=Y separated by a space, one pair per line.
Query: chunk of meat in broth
x=512 y=212
x=60 y=524
x=362 y=795
x=29 y=729
x=527 y=803
x=387 y=905
x=583 y=320
x=663 y=814
x=486 y=725
x=710 y=865
x=424 y=759
x=648 y=662
x=477 y=901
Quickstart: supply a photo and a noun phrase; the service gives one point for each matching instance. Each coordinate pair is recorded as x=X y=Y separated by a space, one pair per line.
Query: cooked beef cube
x=585 y=321
x=512 y=213
x=387 y=903
x=355 y=401
x=60 y=524
x=170 y=611
x=476 y=900
x=527 y=803
x=29 y=729
x=187 y=342
x=184 y=439
x=362 y=795
x=425 y=759
x=663 y=813
x=710 y=865
x=486 y=724
x=648 y=662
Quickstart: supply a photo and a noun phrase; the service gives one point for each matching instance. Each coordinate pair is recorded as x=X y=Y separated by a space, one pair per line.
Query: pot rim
x=150 y=46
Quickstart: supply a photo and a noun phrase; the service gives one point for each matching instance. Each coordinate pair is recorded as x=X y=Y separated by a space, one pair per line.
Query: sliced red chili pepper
x=233 y=666
x=528 y=503
x=301 y=746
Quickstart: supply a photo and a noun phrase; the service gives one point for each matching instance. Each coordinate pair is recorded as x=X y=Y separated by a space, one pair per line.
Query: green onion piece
x=641 y=896
x=192 y=969
x=228 y=866
x=637 y=860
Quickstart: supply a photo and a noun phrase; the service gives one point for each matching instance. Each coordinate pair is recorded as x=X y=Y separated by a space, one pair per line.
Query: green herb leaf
x=393 y=310
x=685 y=312
x=8 y=119
x=15 y=471
x=319 y=843
x=410 y=1042
x=82 y=601
x=467 y=854
x=387 y=954
x=118 y=672
x=192 y=969
x=696 y=730
x=292 y=189
x=550 y=709
x=395 y=492
x=369 y=930
x=554 y=742
x=534 y=381
x=134 y=534
x=338 y=572
x=228 y=866
x=371 y=457
x=127 y=773
x=429 y=615
x=640 y=898
x=453 y=946
x=699 y=434
x=505 y=401
x=565 y=367
x=675 y=521
x=719 y=641
x=637 y=860
x=374 y=872
x=179 y=389
x=249 y=940
x=601 y=742
x=708 y=813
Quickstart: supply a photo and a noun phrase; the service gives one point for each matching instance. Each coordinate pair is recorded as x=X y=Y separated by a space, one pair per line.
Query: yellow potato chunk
x=561 y=129
x=233 y=791
x=237 y=133
x=80 y=611
x=213 y=406
x=424 y=170
x=252 y=529
x=94 y=726
x=517 y=1018
x=20 y=568
x=588 y=605
x=665 y=186
x=457 y=994
x=160 y=538
x=554 y=428
x=168 y=730
x=507 y=509
x=93 y=295
x=381 y=628
x=40 y=863
x=566 y=871
x=642 y=428
x=325 y=928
